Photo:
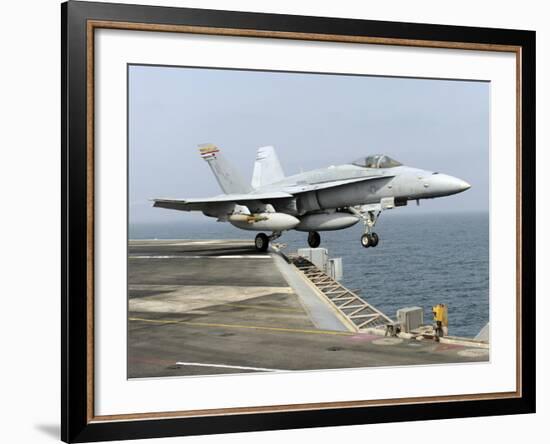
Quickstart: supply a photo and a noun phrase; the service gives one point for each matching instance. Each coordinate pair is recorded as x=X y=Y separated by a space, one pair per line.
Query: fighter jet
x=325 y=199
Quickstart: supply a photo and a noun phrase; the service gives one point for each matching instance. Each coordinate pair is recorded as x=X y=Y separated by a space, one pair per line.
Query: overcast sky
x=313 y=120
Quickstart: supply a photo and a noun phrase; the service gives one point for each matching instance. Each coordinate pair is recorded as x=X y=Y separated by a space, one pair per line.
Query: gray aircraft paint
x=324 y=199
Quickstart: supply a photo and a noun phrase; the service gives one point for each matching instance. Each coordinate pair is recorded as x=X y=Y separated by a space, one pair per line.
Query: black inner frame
x=74 y=423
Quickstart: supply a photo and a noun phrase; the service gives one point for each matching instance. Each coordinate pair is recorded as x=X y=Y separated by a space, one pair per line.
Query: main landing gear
x=314 y=239
x=369 y=218
x=262 y=240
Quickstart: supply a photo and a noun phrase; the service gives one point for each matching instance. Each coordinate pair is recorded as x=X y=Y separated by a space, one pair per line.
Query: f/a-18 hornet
x=324 y=199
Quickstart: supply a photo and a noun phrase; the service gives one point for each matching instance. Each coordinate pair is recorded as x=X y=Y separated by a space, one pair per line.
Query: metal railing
x=359 y=312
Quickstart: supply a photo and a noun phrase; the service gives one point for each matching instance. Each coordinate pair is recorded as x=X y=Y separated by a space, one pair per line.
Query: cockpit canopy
x=376 y=161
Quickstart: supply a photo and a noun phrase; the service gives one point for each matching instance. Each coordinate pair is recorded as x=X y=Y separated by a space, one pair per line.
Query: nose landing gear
x=369 y=218
x=369 y=240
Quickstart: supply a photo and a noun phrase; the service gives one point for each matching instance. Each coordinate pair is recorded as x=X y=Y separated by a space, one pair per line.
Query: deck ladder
x=359 y=312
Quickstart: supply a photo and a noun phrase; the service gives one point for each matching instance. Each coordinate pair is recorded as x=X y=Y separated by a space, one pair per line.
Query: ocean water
x=421 y=260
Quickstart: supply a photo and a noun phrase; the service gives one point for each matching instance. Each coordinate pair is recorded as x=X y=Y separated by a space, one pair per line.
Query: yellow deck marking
x=249 y=327
x=263 y=307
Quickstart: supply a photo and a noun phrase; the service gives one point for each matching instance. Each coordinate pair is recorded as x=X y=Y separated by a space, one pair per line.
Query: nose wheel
x=369 y=240
x=314 y=239
x=369 y=218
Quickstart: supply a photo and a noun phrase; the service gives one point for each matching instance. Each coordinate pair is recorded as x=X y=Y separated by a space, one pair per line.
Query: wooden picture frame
x=79 y=22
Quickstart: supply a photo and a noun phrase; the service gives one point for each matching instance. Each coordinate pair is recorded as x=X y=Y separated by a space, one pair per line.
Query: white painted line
x=264 y=256
x=473 y=352
x=387 y=341
x=238 y=367
x=148 y=242
x=201 y=257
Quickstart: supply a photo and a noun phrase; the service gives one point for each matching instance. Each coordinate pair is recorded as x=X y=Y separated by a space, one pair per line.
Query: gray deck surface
x=210 y=307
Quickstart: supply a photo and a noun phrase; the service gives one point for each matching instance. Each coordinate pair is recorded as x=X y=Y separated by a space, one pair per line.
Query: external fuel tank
x=326 y=221
x=264 y=221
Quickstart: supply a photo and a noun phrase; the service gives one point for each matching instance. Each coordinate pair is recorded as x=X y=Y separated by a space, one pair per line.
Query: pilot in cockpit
x=377 y=161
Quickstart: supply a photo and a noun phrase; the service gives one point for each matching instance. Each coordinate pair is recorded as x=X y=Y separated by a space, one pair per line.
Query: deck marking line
x=250 y=327
x=473 y=352
x=200 y=257
x=387 y=341
x=238 y=367
x=261 y=307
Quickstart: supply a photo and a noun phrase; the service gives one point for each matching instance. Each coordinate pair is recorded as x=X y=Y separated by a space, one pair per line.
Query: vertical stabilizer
x=267 y=168
x=229 y=179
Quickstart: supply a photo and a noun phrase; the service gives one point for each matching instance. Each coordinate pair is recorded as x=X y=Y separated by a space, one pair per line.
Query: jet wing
x=225 y=200
x=208 y=203
x=299 y=188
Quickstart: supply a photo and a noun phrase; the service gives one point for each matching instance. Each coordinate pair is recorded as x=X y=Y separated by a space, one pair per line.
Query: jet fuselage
x=403 y=183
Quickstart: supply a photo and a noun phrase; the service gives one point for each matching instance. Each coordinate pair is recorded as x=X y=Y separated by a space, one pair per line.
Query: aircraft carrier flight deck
x=219 y=306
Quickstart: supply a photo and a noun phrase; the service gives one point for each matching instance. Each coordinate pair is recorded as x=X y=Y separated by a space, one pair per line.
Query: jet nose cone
x=456 y=185
x=445 y=185
x=463 y=185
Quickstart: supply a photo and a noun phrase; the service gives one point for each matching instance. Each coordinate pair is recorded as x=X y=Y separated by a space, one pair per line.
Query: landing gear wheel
x=261 y=242
x=314 y=239
x=374 y=239
x=366 y=240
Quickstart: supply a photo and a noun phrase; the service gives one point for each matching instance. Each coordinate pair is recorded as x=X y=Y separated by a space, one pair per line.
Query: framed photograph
x=275 y=221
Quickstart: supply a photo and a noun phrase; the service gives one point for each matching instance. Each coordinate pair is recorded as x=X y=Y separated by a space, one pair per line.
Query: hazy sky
x=313 y=120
